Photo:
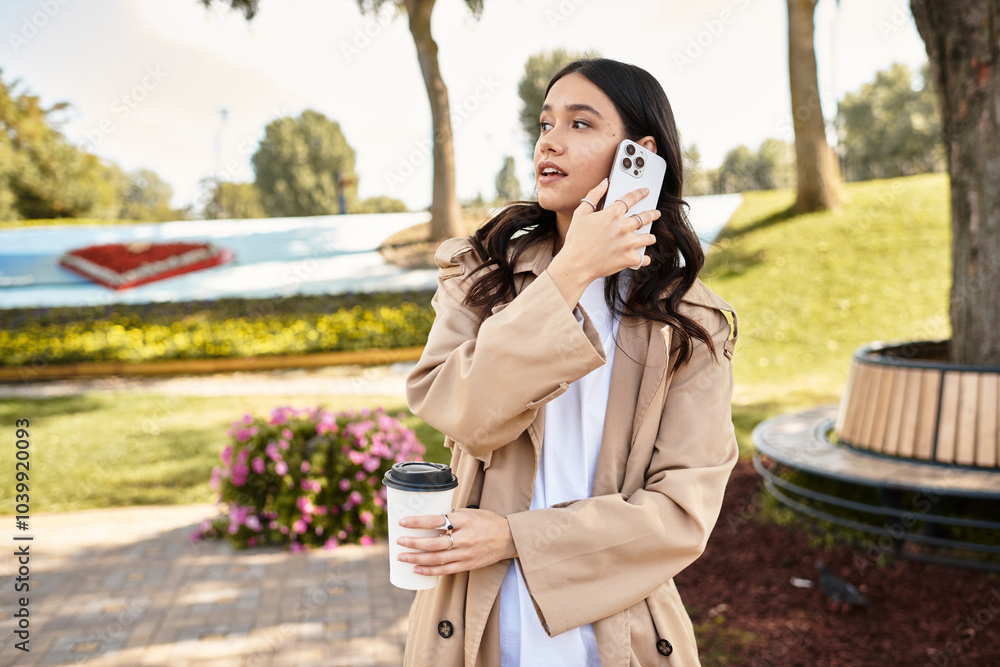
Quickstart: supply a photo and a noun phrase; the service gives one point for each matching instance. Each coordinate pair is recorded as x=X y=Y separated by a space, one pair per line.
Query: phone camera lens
x=630 y=149
x=639 y=162
x=627 y=163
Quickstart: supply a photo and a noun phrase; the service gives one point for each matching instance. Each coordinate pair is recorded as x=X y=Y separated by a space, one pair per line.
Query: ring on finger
x=592 y=204
x=448 y=525
x=626 y=205
x=638 y=218
x=639 y=265
x=451 y=541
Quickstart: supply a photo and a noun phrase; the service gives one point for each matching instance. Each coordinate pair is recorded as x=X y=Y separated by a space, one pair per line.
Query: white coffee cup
x=415 y=488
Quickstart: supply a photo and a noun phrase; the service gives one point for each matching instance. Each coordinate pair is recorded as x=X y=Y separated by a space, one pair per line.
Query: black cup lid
x=420 y=476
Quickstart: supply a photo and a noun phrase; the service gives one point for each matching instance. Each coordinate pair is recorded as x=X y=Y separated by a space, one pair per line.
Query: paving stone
x=125 y=587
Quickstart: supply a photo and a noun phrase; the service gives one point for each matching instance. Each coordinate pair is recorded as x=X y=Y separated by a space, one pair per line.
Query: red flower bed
x=123 y=265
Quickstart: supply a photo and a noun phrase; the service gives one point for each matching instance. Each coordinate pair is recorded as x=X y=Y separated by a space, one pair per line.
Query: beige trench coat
x=667 y=451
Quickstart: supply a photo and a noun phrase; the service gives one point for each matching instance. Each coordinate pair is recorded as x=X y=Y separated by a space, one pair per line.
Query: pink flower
x=278 y=416
x=379 y=502
x=300 y=526
x=257 y=464
x=247 y=419
x=367 y=541
x=319 y=530
x=253 y=523
x=357 y=458
x=214 y=481
x=281 y=467
x=344 y=485
x=283 y=530
x=195 y=536
x=227 y=455
x=342 y=535
x=251 y=541
x=286 y=433
x=273 y=525
x=283 y=444
x=367 y=518
x=305 y=505
x=240 y=473
x=331 y=544
x=272 y=451
x=304 y=467
x=355 y=499
x=296 y=547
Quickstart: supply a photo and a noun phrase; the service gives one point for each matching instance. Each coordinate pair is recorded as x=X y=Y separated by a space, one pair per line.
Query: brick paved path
x=127 y=587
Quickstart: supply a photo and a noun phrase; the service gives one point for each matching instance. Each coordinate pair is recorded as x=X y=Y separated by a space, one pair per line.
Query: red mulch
x=922 y=615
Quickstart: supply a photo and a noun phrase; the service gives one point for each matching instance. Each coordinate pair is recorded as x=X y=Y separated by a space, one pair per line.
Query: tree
x=538 y=70
x=891 y=129
x=380 y=204
x=696 y=178
x=300 y=163
x=767 y=168
x=147 y=197
x=508 y=187
x=446 y=213
x=43 y=175
x=816 y=164
x=229 y=200
x=962 y=46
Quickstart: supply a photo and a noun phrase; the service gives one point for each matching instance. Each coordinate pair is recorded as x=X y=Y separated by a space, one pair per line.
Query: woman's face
x=580 y=131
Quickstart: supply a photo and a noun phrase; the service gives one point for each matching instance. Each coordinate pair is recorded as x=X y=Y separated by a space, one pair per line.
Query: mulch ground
x=747 y=611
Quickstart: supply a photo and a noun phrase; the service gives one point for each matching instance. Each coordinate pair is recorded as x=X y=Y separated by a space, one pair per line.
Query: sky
x=148 y=79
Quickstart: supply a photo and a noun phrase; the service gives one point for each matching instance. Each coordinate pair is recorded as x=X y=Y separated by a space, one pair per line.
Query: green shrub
x=307 y=477
x=224 y=328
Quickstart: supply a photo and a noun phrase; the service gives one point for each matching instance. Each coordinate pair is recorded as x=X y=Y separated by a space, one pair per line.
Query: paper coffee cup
x=415 y=488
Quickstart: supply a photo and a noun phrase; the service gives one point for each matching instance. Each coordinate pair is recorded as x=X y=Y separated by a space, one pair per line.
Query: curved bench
x=800 y=441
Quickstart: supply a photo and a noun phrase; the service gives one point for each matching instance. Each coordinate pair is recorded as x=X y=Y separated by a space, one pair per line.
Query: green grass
x=110 y=449
x=811 y=289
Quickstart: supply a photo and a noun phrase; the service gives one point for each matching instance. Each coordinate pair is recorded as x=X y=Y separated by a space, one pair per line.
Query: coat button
x=664 y=647
x=445 y=629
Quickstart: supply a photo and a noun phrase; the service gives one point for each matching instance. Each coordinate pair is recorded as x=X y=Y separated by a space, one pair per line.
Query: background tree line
x=302 y=166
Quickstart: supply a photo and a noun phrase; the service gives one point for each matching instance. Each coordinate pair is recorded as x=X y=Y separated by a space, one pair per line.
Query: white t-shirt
x=574 y=422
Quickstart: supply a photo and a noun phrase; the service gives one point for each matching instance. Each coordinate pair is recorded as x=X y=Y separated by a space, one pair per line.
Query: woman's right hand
x=600 y=243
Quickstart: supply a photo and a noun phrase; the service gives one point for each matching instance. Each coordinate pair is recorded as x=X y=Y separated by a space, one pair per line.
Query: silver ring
x=448 y=525
x=627 y=207
x=592 y=204
x=639 y=265
x=638 y=217
x=451 y=541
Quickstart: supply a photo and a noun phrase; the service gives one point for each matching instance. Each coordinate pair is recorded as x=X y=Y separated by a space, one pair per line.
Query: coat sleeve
x=594 y=557
x=483 y=387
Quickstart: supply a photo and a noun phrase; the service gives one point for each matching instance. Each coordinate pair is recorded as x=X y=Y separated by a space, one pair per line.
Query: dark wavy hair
x=675 y=259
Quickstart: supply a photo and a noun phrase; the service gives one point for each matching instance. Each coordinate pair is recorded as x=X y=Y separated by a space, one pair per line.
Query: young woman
x=586 y=401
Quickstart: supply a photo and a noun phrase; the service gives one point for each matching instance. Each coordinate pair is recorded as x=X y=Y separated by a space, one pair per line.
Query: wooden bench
x=802 y=441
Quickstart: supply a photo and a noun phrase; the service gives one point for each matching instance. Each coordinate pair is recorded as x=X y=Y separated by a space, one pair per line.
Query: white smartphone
x=636 y=167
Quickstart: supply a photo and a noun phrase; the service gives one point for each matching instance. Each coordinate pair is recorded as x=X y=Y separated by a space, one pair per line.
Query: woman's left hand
x=481 y=538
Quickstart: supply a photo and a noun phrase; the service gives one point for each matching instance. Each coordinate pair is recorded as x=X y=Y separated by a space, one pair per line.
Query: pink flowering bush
x=307 y=477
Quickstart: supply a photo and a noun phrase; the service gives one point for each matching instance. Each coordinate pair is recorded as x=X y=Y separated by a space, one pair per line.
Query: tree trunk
x=446 y=213
x=964 y=51
x=816 y=164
